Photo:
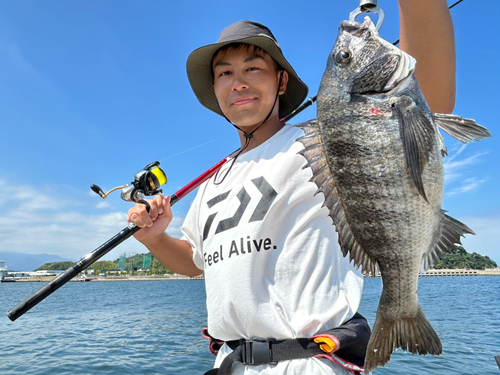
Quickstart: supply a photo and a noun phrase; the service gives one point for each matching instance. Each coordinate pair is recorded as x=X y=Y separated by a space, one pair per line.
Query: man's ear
x=284 y=82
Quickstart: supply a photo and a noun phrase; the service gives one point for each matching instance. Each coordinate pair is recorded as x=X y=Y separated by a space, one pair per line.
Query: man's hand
x=154 y=223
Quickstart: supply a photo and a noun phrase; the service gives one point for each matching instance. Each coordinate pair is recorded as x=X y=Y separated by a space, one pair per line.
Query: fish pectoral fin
x=462 y=129
x=418 y=136
x=449 y=232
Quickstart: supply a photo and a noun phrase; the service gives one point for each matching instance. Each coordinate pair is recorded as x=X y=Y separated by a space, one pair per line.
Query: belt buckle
x=257 y=352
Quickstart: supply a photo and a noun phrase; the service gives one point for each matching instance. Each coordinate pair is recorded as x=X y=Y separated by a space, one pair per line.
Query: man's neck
x=262 y=134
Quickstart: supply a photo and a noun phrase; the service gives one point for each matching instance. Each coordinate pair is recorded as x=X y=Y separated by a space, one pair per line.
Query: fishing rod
x=147 y=182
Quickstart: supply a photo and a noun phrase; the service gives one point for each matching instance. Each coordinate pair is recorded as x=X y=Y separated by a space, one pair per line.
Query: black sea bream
x=376 y=155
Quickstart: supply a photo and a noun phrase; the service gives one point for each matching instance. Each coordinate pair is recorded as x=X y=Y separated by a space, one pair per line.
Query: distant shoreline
x=459 y=272
x=462 y=272
x=429 y=273
x=103 y=278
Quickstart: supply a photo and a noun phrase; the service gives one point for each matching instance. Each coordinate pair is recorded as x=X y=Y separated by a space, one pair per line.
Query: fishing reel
x=146 y=182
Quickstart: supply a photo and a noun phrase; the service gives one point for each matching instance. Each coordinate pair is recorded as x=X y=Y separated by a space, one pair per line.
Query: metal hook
x=367 y=6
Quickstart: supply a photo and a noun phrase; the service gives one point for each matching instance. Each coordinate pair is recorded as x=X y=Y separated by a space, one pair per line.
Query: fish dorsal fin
x=316 y=160
x=418 y=136
x=449 y=233
x=462 y=129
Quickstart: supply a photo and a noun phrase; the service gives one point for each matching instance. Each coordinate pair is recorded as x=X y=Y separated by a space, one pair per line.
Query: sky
x=92 y=91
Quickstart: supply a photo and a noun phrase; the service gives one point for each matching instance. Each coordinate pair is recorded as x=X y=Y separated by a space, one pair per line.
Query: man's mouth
x=242 y=100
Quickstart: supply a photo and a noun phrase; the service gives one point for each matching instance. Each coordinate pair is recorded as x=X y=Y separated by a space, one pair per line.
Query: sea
x=153 y=327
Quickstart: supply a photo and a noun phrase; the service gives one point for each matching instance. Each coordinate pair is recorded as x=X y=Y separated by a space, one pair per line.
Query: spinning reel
x=146 y=182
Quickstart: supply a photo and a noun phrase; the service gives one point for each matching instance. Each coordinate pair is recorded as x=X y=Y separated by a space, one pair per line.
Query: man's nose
x=239 y=83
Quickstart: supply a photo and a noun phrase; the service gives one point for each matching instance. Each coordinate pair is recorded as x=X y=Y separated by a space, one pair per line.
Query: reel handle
x=96 y=189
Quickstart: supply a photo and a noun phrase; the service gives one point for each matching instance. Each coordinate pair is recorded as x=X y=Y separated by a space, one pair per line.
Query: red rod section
x=198 y=181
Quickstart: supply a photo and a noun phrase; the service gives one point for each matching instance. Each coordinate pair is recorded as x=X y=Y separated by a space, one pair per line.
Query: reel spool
x=146 y=182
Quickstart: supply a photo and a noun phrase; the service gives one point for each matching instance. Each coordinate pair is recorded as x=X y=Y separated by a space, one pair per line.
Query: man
x=273 y=267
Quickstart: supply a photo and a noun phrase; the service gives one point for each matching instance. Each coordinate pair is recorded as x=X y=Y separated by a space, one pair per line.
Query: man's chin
x=245 y=120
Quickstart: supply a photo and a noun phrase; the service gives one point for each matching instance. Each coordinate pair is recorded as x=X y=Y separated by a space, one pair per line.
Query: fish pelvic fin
x=418 y=136
x=449 y=233
x=323 y=178
x=412 y=334
x=462 y=129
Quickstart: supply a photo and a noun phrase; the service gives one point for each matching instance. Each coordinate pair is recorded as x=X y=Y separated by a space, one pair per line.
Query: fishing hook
x=367 y=6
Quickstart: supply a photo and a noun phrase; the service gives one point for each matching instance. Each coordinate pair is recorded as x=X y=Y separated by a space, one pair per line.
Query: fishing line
x=306 y=104
x=146 y=182
x=310 y=101
x=190 y=149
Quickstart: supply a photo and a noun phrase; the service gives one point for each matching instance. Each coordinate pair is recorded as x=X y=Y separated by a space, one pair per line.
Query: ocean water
x=153 y=327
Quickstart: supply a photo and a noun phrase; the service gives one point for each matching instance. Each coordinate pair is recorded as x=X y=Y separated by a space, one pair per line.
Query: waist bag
x=345 y=345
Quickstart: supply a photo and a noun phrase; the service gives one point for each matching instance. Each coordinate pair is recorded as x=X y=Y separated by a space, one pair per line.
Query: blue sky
x=92 y=91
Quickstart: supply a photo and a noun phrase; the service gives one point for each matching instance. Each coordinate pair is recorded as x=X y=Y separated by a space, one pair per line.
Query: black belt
x=259 y=352
x=353 y=337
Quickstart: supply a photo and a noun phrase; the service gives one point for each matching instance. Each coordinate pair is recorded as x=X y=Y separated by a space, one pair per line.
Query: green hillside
x=128 y=265
x=459 y=258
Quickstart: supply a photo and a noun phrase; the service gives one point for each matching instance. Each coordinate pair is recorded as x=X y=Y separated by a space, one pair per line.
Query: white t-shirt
x=272 y=263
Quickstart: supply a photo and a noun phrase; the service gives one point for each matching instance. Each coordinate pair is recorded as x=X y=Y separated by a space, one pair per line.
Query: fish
x=376 y=154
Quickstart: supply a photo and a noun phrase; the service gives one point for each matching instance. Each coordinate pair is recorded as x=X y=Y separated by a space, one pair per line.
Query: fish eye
x=343 y=57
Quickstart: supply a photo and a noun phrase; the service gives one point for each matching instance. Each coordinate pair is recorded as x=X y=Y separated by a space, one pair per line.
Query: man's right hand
x=175 y=254
x=153 y=223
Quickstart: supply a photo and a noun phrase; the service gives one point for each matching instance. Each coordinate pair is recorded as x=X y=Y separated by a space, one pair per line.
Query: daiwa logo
x=268 y=194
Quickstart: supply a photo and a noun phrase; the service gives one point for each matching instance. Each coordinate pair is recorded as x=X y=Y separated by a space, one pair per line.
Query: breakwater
x=462 y=272
x=104 y=278
x=456 y=272
x=429 y=273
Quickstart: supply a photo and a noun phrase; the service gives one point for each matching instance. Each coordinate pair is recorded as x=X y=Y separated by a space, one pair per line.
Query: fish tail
x=413 y=334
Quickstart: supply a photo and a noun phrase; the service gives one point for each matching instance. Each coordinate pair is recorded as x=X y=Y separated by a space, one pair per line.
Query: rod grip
x=41 y=294
x=71 y=272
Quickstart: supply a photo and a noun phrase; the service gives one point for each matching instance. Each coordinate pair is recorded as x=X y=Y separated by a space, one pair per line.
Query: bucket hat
x=199 y=66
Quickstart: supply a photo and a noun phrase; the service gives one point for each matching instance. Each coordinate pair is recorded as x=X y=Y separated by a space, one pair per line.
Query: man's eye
x=253 y=68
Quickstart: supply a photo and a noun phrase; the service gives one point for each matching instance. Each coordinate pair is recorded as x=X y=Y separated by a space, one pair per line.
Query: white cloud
x=37 y=221
x=455 y=169
x=103 y=205
x=469 y=185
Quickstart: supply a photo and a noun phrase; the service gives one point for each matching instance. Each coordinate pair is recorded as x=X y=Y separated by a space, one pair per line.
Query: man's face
x=245 y=84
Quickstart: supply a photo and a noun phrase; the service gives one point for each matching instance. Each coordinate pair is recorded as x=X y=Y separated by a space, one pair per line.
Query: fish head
x=362 y=63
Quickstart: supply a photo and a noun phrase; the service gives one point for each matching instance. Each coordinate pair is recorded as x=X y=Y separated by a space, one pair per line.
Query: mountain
x=27 y=262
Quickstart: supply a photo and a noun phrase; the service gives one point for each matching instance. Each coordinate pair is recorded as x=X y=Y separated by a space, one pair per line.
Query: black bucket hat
x=199 y=66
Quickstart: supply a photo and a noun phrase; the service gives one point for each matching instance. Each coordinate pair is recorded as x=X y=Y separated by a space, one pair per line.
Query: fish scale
x=376 y=156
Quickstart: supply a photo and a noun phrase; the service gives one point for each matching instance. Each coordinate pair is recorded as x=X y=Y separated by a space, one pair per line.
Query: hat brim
x=199 y=71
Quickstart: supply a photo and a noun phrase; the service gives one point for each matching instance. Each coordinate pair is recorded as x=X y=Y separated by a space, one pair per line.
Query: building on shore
x=462 y=272
x=3 y=269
